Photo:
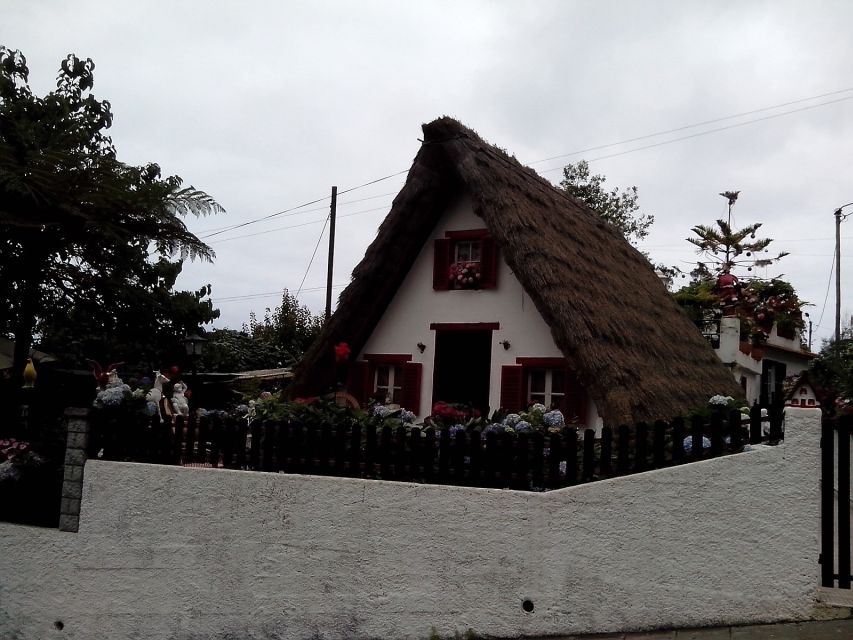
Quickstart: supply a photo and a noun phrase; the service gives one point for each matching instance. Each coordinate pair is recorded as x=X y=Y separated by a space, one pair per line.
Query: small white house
x=488 y=286
x=761 y=370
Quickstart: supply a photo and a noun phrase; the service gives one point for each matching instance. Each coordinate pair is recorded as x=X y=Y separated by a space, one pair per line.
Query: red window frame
x=362 y=378
x=515 y=392
x=445 y=251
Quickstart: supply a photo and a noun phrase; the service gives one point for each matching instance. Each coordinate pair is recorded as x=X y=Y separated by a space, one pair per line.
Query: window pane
x=536 y=382
x=475 y=251
x=382 y=376
x=537 y=397
x=463 y=251
x=398 y=376
x=558 y=381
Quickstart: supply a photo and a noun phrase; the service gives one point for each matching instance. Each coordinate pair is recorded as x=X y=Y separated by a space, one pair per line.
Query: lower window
x=388 y=383
x=548 y=387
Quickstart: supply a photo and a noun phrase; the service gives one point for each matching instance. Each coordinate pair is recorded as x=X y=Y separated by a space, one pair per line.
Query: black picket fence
x=524 y=461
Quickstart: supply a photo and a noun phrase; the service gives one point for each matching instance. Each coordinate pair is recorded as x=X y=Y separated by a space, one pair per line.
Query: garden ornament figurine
x=155 y=396
x=179 y=400
x=105 y=376
x=30 y=374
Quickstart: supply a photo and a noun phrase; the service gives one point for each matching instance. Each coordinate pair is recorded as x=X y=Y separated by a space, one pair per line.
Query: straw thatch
x=634 y=350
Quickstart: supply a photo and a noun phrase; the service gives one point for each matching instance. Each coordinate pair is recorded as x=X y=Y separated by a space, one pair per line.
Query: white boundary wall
x=166 y=552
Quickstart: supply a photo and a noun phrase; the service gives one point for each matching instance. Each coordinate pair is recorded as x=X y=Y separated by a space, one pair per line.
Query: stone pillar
x=77 y=423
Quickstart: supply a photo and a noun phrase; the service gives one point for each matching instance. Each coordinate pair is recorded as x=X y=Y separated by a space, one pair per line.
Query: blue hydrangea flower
x=456 y=428
x=382 y=411
x=492 y=428
x=538 y=408
x=688 y=443
x=554 y=419
x=407 y=417
x=522 y=425
x=511 y=419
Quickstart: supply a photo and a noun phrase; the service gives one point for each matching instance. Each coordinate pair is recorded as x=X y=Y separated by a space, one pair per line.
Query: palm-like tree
x=70 y=211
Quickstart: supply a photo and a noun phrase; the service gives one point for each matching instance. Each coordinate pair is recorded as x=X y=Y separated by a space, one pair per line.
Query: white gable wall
x=416 y=304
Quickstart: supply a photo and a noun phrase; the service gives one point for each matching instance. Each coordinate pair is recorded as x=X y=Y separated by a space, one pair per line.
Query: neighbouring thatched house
x=487 y=285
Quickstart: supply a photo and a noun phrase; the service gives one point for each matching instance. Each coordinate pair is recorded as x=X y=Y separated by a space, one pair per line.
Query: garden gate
x=835 y=543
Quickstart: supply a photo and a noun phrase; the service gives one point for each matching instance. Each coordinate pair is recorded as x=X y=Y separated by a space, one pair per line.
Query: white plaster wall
x=407 y=319
x=175 y=553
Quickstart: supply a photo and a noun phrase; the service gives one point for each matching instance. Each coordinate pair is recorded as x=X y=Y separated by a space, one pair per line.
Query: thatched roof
x=633 y=348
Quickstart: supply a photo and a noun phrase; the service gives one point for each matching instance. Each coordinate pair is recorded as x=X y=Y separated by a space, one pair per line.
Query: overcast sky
x=266 y=105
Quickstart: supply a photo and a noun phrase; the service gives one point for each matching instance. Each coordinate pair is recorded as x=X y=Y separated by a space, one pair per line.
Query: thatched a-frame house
x=486 y=284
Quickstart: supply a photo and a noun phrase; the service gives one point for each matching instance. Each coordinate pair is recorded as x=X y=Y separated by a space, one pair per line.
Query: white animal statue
x=156 y=393
x=179 y=401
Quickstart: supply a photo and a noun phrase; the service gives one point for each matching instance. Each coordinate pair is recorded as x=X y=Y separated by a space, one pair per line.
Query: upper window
x=465 y=260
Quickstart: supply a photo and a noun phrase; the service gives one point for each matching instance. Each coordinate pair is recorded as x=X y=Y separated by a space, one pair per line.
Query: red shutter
x=411 y=391
x=489 y=264
x=359 y=382
x=441 y=265
x=512 y=379
x=576 y=400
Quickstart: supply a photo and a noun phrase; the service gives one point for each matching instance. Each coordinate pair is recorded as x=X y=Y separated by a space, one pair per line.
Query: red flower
x=311 y=400
x=188 y=394
x=174 y=371
x=342 y=352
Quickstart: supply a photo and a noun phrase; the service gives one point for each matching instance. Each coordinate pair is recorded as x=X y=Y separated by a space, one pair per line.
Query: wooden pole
x=837 y=275
x=331 y=252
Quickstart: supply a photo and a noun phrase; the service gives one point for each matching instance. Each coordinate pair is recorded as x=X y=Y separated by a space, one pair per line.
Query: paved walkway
x=822 y=630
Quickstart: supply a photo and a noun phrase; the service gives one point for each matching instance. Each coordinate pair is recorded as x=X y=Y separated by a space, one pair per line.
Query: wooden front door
x=463 y=362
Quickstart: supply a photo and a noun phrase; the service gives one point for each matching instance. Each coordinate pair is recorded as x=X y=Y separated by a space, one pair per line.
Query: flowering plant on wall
x=464 y=275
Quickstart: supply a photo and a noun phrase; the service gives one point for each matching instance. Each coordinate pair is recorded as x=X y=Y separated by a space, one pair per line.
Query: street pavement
x=819 y=630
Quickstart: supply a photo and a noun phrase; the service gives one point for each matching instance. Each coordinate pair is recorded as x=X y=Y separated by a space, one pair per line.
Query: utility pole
x=331 y=252
x=838 y=219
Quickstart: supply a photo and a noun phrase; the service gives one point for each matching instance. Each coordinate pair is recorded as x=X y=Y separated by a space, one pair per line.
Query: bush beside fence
x=524 y=461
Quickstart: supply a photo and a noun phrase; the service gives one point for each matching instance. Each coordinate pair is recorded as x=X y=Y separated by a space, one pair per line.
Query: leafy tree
x=76 y=224
x=228 y=350
x=618 y=208
x=135 y=318
x=290 y=327
x=832 y=374
x=727 y=248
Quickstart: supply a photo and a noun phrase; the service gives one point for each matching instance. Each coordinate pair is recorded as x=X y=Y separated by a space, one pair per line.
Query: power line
x=218 y=231
x=305 y=204
x=315 y=209
x=703 y=133
x=693 y=126
x=828 y=283
x=267 y=294
x=295 y=226
x=311 y=261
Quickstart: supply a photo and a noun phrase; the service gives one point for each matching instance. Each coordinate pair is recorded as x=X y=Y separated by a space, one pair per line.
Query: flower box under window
x=465 y=260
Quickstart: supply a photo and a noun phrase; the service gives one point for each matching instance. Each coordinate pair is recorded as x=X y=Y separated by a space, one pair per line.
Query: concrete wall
x=176 y=553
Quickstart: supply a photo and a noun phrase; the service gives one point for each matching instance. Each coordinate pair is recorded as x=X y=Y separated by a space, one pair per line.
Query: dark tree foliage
x=229 y=351
x=77 y=226
x=136 y=318
x=618 y=208
x=832 y=374
x=290 y=327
